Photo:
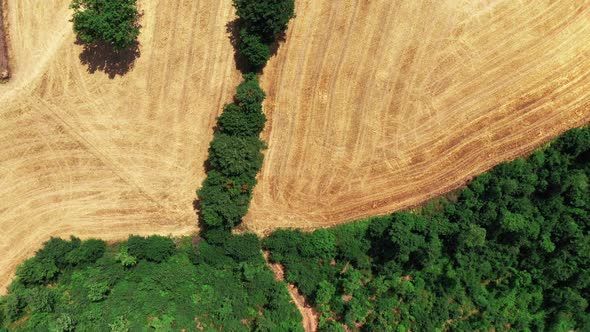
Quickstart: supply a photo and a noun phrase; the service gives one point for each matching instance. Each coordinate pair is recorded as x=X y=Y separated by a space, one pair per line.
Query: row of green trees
x=261 y=24
x=511 y=253
x=148 y=284
x=235 y=158
x=235 y=155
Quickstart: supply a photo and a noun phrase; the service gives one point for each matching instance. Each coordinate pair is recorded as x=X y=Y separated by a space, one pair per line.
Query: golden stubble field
x=374 y=105
x=84 y=154
x=377 y=106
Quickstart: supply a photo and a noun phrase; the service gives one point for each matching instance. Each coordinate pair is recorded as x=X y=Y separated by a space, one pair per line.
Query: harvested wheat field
x=379 y=105
x=84 y=154
x=373 y=106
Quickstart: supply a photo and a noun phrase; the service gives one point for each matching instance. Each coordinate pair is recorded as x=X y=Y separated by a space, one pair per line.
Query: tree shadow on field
x=103 y=57
x=233 y=30
x=197 y=202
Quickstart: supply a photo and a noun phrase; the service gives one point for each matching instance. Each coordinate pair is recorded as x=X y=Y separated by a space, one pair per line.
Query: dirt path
x=4 y=67
x=310 y=316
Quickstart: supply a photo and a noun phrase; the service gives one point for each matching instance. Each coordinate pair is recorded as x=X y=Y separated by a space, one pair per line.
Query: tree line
x=512 y=252
x=235 y=156
x=150 y=283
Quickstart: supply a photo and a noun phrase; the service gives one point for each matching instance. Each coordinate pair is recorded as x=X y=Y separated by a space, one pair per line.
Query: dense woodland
x=152 y=284
x=512 y=252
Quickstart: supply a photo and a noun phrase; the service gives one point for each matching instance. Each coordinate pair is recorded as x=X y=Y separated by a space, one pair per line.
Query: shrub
x=13 y=306
x=243 y=247
x=249 y=94
x=41 y=299
x=236 y=155
x=265 y=18
x=234 y=121
x=253 y=50
x=88 y=252
x=225 y=200
x=36 y=271
x=113 y=22
x=154 y=248
x=56 y=250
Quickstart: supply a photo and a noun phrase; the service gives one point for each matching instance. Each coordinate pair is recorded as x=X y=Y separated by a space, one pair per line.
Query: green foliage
x=265 y=18
x=512 y=251
x=124 y=257
x=64 y=323
x=113 y=22
x=41 y=299
x=154 y=248
x=233 y=121
x=249 y=94
x=87 y=252
x=13 y=306
x=261 y=21
x=244 y=248
x=208 y=286
x=37 y=271
x=224 y=201
x=253 y=49
x=234 y=158
x=97 y=291
x=56 y=250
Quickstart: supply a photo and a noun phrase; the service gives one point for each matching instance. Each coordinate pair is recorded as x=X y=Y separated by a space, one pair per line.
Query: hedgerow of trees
x=235 y=158
x=512 y=253
x=261 y=22
x=109 y=21
x=148 y=284
x=235 y=155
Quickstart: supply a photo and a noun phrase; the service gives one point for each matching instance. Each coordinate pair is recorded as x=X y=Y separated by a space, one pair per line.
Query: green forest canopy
x=153 y=284
x=512 y=253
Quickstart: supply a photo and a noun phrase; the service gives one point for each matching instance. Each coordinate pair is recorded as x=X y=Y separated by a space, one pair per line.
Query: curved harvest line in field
x=380 y=105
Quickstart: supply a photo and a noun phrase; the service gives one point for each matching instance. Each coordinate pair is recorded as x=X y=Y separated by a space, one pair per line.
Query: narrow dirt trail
x=310 y=316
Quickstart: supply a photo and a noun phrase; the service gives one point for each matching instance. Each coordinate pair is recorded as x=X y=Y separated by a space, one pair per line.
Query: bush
x=56 y=250
x=154 y=248
x=234 y=121
x=236 y=156
x=41 y=299
x=265 y=18
x=225 y=200
x=249 y=94
x=243 y=247
x=88 y=252
x=113 y=22
x=35 y=271
x=13 y=306
x=253 y=50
